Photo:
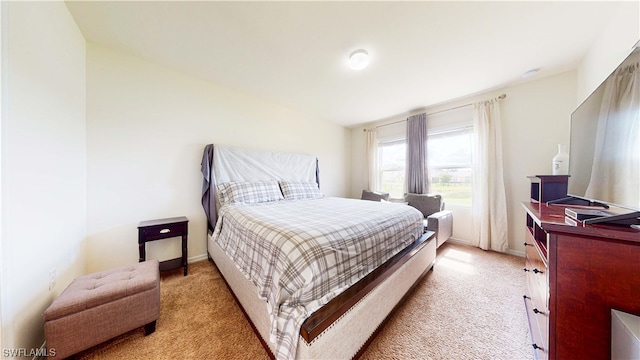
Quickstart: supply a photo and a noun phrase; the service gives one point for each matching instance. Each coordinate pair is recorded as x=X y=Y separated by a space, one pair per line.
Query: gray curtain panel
x=208 y=184
x=417 y=180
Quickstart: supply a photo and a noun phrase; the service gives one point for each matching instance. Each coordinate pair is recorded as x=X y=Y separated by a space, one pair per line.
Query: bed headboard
x=226 y=163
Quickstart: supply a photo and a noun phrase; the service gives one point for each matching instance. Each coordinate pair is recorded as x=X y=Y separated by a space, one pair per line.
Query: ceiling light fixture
x=359 y=59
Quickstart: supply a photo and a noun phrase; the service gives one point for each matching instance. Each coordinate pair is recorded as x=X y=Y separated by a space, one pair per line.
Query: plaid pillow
x=300 y=190
x=248 y=192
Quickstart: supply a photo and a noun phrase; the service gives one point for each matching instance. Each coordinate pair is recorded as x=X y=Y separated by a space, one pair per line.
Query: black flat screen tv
x=604 y=149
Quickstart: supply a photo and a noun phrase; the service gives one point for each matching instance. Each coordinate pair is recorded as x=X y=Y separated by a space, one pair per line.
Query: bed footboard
x=345 y=326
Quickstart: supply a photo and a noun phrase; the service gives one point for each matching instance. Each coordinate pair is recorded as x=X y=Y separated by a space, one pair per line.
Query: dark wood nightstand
x=151 y=230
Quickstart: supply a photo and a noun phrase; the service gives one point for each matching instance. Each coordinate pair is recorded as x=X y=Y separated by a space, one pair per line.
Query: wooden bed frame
x=359 y=311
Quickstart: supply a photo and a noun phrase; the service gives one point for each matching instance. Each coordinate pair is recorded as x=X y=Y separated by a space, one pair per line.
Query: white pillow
x=293 y=190
x=249 y=192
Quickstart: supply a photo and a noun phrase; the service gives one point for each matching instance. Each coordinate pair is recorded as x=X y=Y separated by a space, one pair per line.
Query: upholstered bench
x=97 y=307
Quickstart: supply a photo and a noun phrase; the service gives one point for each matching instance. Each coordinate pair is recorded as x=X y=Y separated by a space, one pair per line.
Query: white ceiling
x=295 y=53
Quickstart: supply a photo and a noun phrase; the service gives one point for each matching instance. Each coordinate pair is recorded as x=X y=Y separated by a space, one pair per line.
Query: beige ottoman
x=97 y=307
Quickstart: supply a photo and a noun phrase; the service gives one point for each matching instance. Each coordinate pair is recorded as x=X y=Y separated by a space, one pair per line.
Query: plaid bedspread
x=302 y=253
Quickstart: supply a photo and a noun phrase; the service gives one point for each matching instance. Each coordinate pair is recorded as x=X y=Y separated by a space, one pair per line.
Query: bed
x=316 y=276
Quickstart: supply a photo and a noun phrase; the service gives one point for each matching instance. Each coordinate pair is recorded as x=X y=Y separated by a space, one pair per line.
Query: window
x=449 y=142
x=449 y=165
x=392 y=156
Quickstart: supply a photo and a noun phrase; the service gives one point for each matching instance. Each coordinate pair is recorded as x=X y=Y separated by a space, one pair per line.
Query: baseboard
x=459 y=241
x=515 y=252
x=197 y=258
x=468 y=243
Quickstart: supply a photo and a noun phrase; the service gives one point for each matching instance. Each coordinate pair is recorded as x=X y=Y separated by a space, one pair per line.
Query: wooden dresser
x=575 y=276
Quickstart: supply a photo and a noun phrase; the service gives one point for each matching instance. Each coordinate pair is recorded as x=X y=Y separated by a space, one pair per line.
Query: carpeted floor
x=469 y=307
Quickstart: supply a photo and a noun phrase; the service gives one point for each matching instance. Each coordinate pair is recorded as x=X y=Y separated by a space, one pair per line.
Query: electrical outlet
x=52 y=279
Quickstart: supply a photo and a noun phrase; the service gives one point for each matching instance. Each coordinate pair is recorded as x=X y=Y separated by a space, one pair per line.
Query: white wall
x=613 y=45
x=535 y=118
x=43 y=164
x=146 y=128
